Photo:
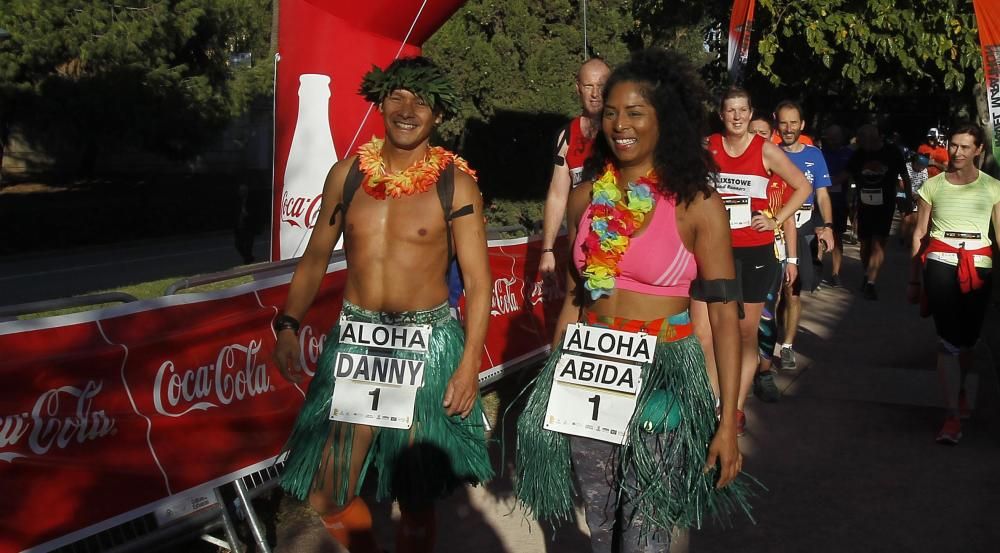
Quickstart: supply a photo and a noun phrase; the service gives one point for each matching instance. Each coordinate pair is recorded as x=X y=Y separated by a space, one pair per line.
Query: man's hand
x=724 y=452
x=825 y=236
x=547 y=264
x=287 y=354
x=460 y=395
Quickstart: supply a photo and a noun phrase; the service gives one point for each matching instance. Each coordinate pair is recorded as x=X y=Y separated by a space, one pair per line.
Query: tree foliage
x=522 y=55
x=867 y=48
x=152 y=73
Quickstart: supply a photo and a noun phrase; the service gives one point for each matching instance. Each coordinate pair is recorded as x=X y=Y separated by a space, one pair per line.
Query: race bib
x=594 y=392
x=753 y=186
x=378 y=389
x=967 y=240
x=738 y=208
x=803 y=215
x=575 y=176
x=871 y=196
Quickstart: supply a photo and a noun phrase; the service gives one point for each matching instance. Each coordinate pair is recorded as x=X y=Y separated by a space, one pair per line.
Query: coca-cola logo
x=235 y=375
x=311 y=346
x=48 y=425
x=505 y=299
x=300 y=211
x=546 y=290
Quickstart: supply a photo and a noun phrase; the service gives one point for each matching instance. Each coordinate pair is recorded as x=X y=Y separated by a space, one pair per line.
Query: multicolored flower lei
x=614 y=219
x=415 y=179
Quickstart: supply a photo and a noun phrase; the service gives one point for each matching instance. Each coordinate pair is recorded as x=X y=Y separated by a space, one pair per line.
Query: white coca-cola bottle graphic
x=309 y=160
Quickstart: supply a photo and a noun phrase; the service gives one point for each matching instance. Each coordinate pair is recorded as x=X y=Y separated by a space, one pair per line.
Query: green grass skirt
x=415 y=466
x=663 y=477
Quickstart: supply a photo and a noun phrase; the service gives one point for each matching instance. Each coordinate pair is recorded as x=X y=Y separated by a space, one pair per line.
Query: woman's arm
x=777 y=162
x=714 y=255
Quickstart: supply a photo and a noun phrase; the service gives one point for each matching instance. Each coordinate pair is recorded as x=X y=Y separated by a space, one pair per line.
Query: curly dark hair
x=670 y=83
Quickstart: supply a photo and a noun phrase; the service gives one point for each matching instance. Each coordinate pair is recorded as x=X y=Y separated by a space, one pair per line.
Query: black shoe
x=869 y=291
x=833 y=281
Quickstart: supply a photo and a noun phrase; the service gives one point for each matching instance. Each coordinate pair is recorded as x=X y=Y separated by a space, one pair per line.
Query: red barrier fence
x=112 y=414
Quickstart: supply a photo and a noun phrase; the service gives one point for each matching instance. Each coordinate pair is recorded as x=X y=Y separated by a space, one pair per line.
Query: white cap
x=933 y=132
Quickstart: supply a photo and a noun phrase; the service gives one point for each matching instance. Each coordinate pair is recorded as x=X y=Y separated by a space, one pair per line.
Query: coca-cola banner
x=73 y=451
x=324 y=48
x=524 y=306
x=115 y=413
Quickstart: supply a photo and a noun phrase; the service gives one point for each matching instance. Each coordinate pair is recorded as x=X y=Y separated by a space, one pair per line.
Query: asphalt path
x=847 y=455
x=59 y=274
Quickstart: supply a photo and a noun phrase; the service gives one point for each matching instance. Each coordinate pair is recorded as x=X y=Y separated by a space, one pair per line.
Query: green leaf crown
x=417 y=75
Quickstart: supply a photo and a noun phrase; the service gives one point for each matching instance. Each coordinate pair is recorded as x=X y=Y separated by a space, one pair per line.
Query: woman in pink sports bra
x=637 y=426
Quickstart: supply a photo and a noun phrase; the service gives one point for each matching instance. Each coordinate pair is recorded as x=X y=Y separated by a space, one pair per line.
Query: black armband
x=714 y=291
x=286 y=322
x=722 y=290
x=558 y=160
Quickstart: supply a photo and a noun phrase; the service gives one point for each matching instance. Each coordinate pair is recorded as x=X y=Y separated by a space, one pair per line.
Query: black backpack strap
x=446 y=194
x=351 y=185
x=562 y=139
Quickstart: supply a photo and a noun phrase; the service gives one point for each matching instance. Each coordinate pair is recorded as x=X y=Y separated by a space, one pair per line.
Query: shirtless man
x=398 y=244
x=572 y=148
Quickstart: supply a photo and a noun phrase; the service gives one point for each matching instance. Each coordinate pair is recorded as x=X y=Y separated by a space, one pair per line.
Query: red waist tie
x=968 y=278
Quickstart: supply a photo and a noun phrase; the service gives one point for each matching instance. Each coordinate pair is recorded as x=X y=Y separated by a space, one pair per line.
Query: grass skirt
x=662 y=477
x=416 y=466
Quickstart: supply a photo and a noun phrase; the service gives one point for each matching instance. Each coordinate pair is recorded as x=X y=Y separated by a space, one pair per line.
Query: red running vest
x=743 y=184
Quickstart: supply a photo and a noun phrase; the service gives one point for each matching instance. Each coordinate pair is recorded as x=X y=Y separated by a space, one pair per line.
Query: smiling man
x=813 y=221
x=418 y=207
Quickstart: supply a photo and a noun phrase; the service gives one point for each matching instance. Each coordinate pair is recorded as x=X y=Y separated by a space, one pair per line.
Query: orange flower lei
x=415 y=179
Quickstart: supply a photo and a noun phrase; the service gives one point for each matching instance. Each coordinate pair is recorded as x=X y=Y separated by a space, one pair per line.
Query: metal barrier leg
x=235 y=546
x=255 y=526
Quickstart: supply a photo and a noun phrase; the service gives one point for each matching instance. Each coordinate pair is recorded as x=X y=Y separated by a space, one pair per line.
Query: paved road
x=67 y=273
x=848 y=454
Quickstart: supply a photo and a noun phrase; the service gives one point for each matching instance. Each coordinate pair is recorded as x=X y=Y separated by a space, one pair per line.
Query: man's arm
x=470 y=245
x=555 y=205
x=311 y=268
x=570 y=312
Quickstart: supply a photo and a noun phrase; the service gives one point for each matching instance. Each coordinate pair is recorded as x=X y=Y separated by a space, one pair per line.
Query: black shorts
x=958 y=317
x=808 y=279
x=756 y=268
x=875 y=220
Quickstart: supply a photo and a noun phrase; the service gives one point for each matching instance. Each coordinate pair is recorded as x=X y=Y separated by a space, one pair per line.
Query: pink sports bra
x=656 y=262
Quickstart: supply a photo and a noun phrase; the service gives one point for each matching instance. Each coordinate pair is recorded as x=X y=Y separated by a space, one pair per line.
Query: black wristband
x=286 y=322
x=547 y=250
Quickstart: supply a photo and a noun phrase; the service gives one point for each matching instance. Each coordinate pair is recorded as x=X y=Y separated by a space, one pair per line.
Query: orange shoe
x=951 y=432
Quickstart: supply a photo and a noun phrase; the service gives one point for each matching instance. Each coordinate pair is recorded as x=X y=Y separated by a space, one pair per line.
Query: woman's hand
x=791 y=273
x=761 y=222
x=724 y=452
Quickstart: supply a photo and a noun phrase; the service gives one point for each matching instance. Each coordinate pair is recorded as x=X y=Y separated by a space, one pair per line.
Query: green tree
x=869 y=48
x=522 y=55
x=150 y=73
